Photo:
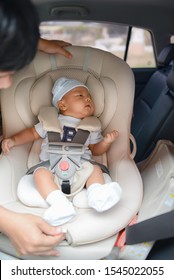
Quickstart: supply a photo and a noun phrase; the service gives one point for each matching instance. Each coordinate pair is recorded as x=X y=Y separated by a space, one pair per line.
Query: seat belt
x=156 y=228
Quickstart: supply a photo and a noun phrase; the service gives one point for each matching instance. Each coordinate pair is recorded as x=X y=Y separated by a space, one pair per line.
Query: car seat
x=110 y=80
x=152 y=108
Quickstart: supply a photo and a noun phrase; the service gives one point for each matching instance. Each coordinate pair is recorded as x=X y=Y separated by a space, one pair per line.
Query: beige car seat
x=90 y=235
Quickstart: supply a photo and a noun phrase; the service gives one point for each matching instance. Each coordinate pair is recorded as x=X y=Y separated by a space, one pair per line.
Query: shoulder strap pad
x=90 y=123
x=48 y=117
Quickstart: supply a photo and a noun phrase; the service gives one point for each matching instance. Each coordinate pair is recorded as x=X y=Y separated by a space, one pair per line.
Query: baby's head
x=72 y=98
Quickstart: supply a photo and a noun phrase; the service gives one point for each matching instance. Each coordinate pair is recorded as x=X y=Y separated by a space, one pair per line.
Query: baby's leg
x=61 y=209
x=101 y=196
x=95 y=177
x=44 y=180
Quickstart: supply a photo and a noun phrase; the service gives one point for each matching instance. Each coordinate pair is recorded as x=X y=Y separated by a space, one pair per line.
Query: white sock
x=61 y=209
x=103 y=197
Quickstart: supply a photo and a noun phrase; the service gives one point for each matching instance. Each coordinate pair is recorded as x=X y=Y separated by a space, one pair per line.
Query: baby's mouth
x=88 y=106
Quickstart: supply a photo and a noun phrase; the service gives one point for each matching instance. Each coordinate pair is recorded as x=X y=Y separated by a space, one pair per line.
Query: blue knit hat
x=62 y=86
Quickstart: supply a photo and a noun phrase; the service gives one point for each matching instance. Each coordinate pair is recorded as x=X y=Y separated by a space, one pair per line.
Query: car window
x=135 y=46
x=140 y=52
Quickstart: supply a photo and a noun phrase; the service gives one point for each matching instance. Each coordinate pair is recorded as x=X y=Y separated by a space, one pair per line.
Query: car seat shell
x=110 y=80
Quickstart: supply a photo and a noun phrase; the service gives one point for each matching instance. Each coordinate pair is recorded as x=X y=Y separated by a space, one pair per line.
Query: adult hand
x=30 y=235
x=54 y=46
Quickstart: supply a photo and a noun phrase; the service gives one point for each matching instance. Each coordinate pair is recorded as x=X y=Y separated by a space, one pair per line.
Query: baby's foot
x=103 y=197
x=61 y=210
x=56 y=215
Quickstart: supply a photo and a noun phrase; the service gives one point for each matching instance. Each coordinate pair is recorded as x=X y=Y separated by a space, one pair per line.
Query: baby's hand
x=7 y=144
x=110 y=137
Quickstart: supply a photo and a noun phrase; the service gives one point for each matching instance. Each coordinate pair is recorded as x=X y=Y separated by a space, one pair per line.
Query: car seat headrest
x=102 y=72
x=166 y=55
x=170 y=82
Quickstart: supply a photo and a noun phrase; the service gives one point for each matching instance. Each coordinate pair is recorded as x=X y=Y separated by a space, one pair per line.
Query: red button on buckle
x=64 y=165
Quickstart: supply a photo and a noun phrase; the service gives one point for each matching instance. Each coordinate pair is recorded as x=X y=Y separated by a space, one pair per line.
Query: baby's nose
x=88 y=99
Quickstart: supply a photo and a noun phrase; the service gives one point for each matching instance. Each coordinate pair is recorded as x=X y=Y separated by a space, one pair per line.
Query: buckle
x=66 y=187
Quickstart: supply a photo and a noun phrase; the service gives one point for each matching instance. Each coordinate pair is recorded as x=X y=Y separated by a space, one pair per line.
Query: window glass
x=110 y=37
x=140 y=53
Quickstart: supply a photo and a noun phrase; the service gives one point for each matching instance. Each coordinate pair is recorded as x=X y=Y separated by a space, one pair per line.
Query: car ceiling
x=155 y=15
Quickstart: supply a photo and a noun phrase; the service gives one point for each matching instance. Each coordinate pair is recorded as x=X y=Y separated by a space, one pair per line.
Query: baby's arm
x=25 y=136
x=103 y=146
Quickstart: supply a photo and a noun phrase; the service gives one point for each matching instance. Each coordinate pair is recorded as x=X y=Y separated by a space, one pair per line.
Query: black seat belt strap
x=53 y=136
x=81 y=136
x=156 y=228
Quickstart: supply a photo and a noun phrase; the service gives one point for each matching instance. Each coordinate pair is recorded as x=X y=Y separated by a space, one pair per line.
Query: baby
x=74 y=103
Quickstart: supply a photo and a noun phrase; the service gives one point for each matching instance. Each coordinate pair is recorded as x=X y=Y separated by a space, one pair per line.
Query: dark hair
x=19 y=34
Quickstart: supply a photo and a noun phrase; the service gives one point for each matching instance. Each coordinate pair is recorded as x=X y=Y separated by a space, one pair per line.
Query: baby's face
x=77 y=103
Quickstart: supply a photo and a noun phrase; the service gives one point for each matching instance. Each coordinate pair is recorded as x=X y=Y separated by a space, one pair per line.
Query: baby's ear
x=61 y=105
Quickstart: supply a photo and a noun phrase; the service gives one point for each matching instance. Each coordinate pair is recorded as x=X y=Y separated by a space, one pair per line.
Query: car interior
x=135 y=98
x=148 y=126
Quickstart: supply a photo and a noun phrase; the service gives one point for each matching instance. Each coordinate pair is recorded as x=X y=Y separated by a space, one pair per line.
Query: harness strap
x=81 y=136
x=53 y=136
x=45 y=163
x=102 y=166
